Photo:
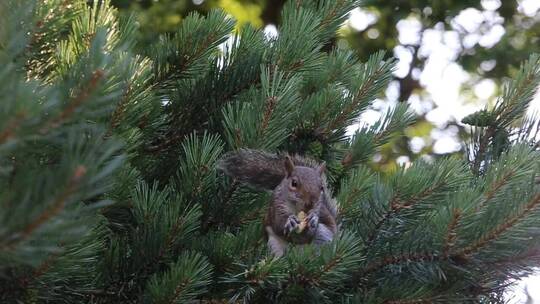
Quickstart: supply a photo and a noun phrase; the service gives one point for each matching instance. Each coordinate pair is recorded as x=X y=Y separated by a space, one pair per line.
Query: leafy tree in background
x=482 y=60
x=110 y=192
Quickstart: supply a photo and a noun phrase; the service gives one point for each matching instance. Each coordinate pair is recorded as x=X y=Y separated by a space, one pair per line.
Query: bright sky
x=443 y=79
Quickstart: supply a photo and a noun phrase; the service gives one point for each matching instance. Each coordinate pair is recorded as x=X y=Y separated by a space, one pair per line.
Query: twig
x=75 y=102
x=52 y=211
x=451 y=235
x=12 y=126
x=499 y=230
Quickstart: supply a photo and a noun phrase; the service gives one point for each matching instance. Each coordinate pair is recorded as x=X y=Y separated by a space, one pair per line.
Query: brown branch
x=238 y=137
x=178 y=290
x=175 y=136
x=495 y=187
x=393 y=260
x=119 y=112
x=396 y=205
x=499 y=230
x=53 y=210
x=531 y=254
x=333 y=262
x=451 y=235
x=348 y=201
x=76 y=102
x=12 y=127
x=38 y=271
x=491 y=129
x=169 y=241
x=225 y=205
x=170 y=140
x=410 y=301
x=331 y=15
x=44 y=266
x=460 y=255
x=490 y=132
x=362 y=93
x=347 y=159
x=271 y=103
x=99 y=292
x=256 y=215
x=186 y=60
x=378 y=226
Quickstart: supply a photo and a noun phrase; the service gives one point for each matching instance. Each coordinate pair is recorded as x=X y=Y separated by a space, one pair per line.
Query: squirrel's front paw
x=291 y=224
x=313 y=221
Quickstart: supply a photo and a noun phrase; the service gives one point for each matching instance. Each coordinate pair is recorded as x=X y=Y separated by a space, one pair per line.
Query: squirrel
x=298 y=187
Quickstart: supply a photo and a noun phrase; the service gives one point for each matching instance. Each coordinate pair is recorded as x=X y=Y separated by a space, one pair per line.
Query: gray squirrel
x=298 y=188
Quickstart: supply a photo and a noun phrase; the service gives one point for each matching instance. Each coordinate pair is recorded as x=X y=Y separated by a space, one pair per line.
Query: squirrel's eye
x=294 y=183
x=322 y=188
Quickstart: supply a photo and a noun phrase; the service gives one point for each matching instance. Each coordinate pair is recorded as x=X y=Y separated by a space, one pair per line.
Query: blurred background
x=453 y=58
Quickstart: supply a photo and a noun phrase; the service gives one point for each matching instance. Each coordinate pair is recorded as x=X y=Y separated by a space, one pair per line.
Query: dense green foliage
x=484 y=40
x=109 y=191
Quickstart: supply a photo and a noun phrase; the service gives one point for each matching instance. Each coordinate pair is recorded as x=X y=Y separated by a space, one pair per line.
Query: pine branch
x=184 y=280
x=170 y=239
x=519 y=93
x=332 y=15
x=208 y=222
x=495 y=187
x=510 y=107
x=411 y=301
x=101 y=293
x=396 y=205
x=54 y=19
x=119 y=112
x=368 y=138
x=531 y=256
x=38 y=271
x=348 y=201
x=451 y=235
x=459 y=255
x=12 y=126
x=268 y=110
x=482 y=148
x=400 y=259
x=501 y=229
x=76 y=102
x=187 y=53
x=375 y=76
x=188 y=60
x=54 y=209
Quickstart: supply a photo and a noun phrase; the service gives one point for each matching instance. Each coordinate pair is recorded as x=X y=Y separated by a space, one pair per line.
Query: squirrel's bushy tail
x=264 y=170
x=256 y=168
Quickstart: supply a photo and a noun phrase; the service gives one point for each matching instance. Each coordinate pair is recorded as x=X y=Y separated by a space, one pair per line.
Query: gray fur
x=323 y=235
x=256 y=168
x=265 y=171
x=281 y=174
x=278 y=245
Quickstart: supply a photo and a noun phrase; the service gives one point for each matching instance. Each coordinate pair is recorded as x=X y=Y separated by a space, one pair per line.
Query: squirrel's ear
x=289 y=165
x=322 y=168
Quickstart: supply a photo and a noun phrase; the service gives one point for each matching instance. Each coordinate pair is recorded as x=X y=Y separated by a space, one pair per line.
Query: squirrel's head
x=304 y=184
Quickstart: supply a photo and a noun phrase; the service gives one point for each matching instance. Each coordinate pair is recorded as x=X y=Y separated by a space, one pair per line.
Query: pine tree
x=110 y=192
